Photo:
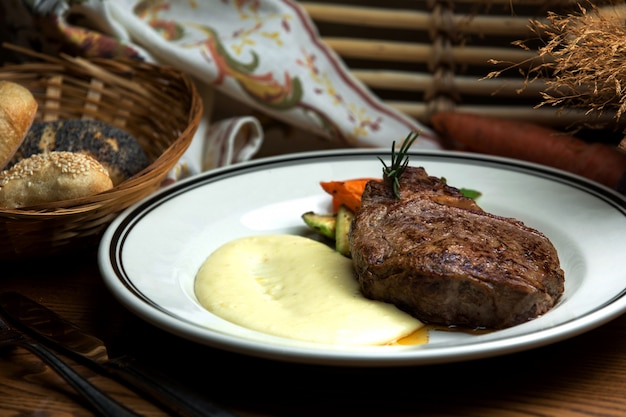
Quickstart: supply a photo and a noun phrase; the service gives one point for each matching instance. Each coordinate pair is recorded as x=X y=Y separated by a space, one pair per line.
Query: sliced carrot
x=534 y=143
x=347 y=193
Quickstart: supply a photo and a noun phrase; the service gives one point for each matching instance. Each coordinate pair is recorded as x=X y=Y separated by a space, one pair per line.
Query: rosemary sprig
x=399 y=162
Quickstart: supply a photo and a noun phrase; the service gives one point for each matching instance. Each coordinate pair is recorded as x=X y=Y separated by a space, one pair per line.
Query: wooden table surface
x=583 y=376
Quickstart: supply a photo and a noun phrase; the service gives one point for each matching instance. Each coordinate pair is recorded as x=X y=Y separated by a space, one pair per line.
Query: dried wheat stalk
x=583 y=60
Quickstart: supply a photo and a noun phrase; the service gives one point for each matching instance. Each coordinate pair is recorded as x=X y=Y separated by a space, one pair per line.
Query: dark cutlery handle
x=164 y=389
x=102 y=404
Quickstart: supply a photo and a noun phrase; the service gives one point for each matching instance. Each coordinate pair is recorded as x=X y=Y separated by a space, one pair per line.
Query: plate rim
x=154 y=315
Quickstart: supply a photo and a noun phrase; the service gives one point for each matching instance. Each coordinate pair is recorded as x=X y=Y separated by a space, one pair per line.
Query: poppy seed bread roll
x=52 y=176
x=17 y=112
x=115 y=149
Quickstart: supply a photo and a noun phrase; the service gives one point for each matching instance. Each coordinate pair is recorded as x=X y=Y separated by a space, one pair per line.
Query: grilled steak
x=436 y=255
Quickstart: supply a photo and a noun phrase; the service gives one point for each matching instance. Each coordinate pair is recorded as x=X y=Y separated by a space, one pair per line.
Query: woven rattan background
x=421 y=56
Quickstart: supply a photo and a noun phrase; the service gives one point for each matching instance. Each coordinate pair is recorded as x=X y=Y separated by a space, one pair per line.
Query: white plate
x=150 y=254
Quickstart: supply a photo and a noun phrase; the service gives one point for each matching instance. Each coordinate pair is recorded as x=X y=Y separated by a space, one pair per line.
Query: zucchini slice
x=324 y=224
x=343 y=224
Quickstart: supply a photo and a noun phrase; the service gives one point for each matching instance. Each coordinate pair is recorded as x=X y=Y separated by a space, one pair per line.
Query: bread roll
x=53 y=176
x=17 y=112
x=114 y=148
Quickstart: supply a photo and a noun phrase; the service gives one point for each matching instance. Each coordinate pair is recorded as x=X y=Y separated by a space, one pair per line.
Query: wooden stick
x=415 y=52
x=547 y=116
x=406 y=81
x=539 y=3
x=418 y=20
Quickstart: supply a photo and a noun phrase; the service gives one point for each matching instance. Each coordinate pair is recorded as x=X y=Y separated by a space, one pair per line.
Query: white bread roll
x=17 y=112
x=52 y=176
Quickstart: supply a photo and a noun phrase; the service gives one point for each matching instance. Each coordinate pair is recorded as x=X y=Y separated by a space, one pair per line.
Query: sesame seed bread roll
x=115 y=149
x=53 y=176
x=17 y=112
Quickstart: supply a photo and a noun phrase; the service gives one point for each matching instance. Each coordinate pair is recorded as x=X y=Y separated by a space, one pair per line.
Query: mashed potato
x=298 y=288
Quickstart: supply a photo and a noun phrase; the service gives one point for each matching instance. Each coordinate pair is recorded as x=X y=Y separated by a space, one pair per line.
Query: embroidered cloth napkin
x=266 y=54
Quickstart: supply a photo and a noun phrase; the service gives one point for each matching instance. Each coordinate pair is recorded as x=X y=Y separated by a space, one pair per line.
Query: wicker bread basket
x=159 y=106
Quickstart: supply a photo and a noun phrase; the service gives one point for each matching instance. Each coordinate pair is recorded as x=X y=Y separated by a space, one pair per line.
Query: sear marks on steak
x=438 y=256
